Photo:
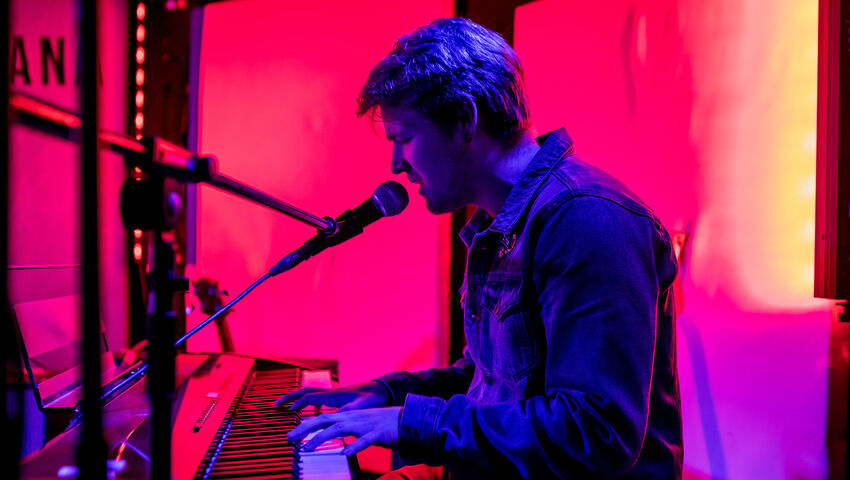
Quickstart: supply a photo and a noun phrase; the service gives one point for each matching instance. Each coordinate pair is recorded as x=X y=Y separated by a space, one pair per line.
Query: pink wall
x=707 y=109
x=278 y=88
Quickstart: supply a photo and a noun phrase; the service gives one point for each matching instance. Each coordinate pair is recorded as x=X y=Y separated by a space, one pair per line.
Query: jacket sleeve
x=435 y=382
x=594 y=270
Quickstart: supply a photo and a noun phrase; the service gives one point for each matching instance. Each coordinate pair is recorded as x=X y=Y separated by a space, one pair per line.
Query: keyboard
x=225 y=427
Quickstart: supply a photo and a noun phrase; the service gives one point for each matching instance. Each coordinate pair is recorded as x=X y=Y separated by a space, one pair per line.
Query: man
x=570 y=368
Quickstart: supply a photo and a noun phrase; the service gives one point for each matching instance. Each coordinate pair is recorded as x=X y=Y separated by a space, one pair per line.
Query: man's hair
x=435 y=69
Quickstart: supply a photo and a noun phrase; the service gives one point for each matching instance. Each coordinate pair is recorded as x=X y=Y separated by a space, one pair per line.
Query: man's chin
x=438 y=209
x=433 y=208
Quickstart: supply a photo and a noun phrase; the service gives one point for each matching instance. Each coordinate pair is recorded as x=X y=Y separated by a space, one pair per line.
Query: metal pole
x=161 y=355
x=230 y=185
x=91 y=453
x=11 y=383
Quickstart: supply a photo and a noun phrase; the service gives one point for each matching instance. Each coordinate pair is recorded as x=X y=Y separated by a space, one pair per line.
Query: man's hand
x=374 y=426
x=363 y=395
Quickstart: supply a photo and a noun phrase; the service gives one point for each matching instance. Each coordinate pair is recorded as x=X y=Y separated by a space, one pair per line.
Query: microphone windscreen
x=391 y=198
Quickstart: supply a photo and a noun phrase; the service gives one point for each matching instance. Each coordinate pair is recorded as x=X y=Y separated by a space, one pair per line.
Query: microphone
x=389 y=199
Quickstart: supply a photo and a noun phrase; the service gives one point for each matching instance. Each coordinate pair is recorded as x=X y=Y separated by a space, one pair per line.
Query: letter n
x=58 y=61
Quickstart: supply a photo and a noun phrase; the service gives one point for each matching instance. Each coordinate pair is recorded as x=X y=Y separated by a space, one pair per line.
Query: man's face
x=432 y=158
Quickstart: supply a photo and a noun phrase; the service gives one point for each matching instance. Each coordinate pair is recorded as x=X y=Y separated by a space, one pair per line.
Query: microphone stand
x=176 y=162
x=143 y=368
x=162 y=353
x=224 y=309
x=166 y=167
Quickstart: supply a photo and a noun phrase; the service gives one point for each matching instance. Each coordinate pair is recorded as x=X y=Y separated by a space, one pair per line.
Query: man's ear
x=467 y=119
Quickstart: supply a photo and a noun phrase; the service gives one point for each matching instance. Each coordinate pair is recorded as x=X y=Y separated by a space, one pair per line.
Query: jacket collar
x=553 y=146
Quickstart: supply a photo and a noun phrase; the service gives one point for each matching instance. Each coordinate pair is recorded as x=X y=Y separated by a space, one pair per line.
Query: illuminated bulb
x=140 y=55
x=140 y=99
x=137 y=233
x=138 y=136
x=140 y=12
x=140 y=33
x=140 y=120
x=137 y=252
x=140 y=77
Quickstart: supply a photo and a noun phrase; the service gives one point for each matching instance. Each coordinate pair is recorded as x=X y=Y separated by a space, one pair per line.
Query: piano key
x=253 y=443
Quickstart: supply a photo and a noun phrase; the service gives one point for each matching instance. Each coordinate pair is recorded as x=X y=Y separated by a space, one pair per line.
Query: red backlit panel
x=279 y=84
x=707 y=110
x=703 y=118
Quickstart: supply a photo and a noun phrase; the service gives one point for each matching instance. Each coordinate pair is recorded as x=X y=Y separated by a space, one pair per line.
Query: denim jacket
x=570 y=365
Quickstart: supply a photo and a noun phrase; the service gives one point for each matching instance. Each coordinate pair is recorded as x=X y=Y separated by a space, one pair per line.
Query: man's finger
x=334 y=431
x=316 y=399
x=309 y=425
x=293 y=396
x=359 y=444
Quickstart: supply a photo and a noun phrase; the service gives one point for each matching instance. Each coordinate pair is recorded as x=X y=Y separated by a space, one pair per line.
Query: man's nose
x=398 y=165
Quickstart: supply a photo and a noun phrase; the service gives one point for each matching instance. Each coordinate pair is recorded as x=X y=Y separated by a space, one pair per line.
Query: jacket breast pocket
x=506 y=322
